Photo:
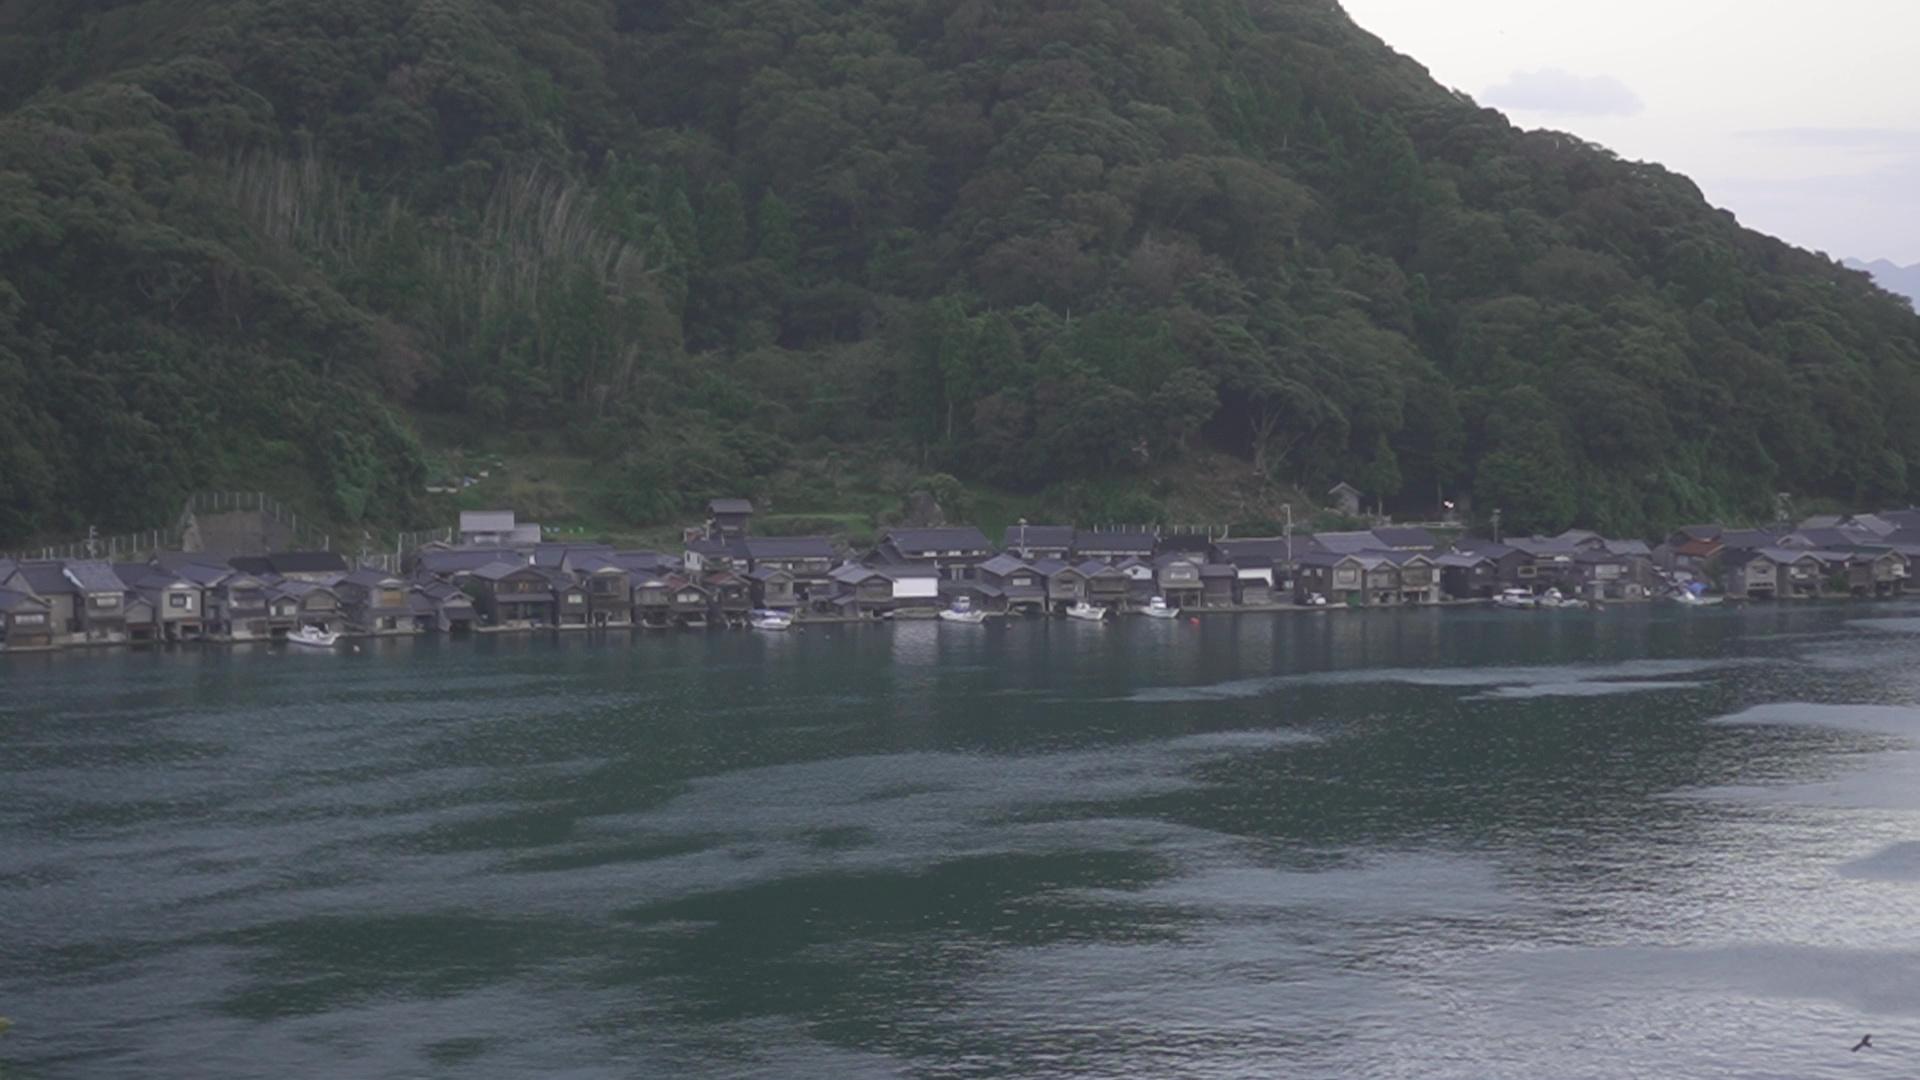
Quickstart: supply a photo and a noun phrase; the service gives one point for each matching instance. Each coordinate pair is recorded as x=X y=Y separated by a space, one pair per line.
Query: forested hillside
x=1025 y=242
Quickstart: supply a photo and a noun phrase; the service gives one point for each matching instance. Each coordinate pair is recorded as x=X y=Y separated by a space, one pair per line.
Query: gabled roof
x=1699 y=532
x=730 y=506
x=768 y=573
x=592 y=562
x=1598 y=556
x=1003 y=564
x=1904 y=519
x=1347 y=543
x=1483 y=546
x=202 y=570
x=1343 y=488
x=556 y=555
x=1408 y=537
x=1218 y=570
x=1266 y=549
x=1780 y=554
x=11 y=600
x=712 y=549
x=291 y=562
x=1402 y=558
x=788 y=547
x=46 y=577
x=368 y=577
x=1050 y=567
x=1629 y=548
x=1115 y=543
x=1096 y=568
x=464 y=560
x=1698 y=548
x=1822 y=521
x=94 y=576
x=1328 y=558
x=853 y=573
x=1053 y=537
x=1544 y=547
x=1873 y=523
x=923 y=542
x=488 y=521
x=1464 y=559
x=1831 y=538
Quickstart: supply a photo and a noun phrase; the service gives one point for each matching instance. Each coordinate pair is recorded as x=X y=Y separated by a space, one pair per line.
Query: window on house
x=179 y=601
x=106 y=603
x=30 y=620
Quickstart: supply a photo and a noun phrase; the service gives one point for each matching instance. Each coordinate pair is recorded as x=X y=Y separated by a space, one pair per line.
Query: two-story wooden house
x=26 y=621
x=375 y=602
x=1031 y=543
x=507 y=595
x=1176 y=577
x=100 y=601
x=809 y=559
x=952 y=552
x=1023 y=588
x=608 y=585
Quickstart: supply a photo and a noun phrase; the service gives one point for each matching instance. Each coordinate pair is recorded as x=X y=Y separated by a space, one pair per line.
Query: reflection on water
x=1434 y=844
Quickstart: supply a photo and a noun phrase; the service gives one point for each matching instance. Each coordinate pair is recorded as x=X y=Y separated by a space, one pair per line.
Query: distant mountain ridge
x=1892 y=277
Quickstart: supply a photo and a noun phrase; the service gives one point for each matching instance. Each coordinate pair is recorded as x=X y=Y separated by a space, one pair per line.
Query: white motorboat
x=770 y=620
x=1157 y=608
x=1516 y=598
x=1551 y=599
x=1688 y=598
x=963 y=611
x=313 y=637
x=1088 y=612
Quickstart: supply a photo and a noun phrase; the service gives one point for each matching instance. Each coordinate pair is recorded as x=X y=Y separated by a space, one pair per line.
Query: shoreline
x=638 y=629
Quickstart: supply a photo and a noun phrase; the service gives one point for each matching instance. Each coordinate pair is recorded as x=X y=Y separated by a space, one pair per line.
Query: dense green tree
x=1040 y=245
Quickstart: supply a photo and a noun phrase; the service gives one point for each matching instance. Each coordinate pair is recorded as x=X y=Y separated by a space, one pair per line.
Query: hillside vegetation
x=1027 y=243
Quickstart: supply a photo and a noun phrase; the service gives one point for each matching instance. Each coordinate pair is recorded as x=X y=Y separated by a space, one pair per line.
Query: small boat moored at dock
x=1516 y=598
x=963 y=611
x=1157 y=609
x=1087 y=612
x=313 y=637
x=770 y=620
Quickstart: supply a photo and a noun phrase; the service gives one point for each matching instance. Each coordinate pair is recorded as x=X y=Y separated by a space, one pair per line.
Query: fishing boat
x=1692 y=598
x=1087 y=612
x=761 y=619
x=963 y=611
x=313 y=637
x=1516 y=598
x=1157 y=608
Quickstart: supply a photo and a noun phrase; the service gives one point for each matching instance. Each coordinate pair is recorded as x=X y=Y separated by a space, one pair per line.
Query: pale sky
x=1800 y=116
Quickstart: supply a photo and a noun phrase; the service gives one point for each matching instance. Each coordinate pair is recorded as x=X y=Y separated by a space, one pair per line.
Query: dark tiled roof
x=47 y=578
x=1002 y=565
x=1405 y=537
x=14 y=601
x=1268 y=548
x=1348 y=543
x=463 y=560
x=730 y=506
x=922 y=542
x=370 y=578
x=93 y=576
x=1218 y=570
x=291 y=562
x=1123 y=543
x=711 y=548
x=1050 y=567
x=1058 y=537
x=788 y=547
x=1700 y=532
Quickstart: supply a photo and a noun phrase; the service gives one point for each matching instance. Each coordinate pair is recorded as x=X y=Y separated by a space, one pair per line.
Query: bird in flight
x=1865 y=1043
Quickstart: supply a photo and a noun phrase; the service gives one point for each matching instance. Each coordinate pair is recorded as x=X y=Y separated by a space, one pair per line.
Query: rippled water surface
x=1445 y=844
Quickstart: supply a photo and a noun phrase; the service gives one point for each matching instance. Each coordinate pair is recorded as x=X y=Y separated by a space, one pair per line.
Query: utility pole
x=93 y=542
x=1496 y=526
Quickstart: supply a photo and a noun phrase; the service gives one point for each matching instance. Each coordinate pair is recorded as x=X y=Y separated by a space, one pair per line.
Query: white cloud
x=1559 y=92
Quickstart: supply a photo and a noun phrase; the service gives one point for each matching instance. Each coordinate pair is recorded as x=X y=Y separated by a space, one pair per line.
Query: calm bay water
x=1444 y=844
